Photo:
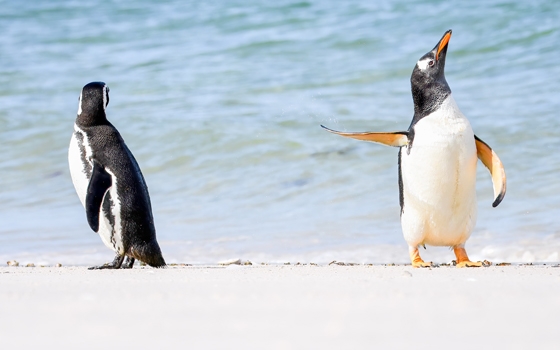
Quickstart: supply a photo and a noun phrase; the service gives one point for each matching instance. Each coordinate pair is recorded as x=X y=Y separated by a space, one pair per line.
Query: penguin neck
x=86 y=119
x=429 y=97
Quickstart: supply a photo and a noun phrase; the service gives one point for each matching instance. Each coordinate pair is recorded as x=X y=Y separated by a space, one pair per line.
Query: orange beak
x=443 y=43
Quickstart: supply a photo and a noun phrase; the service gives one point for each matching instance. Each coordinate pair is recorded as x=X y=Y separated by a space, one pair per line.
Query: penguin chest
x=439 y=178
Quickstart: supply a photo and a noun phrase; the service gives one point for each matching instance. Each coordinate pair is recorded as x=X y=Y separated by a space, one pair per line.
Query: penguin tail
x=157 y=262
x=149 y=253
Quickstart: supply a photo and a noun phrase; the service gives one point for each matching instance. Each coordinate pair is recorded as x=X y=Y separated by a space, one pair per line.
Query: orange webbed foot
x=464 y=261
x=416 y=259
x=421 y=263
x=469 y=263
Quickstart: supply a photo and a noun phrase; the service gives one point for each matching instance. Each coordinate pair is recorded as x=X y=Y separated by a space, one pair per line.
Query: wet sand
x=280 y=307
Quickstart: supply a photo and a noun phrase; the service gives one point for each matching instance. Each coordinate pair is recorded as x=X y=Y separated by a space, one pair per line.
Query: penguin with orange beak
x=437 y=164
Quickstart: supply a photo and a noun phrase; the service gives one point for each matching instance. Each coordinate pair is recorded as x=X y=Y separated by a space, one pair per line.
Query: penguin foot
x=128 y=263
x=421 y=263
x=469 y=263
x=464 y=261
x=416 y=259
x=116 y=264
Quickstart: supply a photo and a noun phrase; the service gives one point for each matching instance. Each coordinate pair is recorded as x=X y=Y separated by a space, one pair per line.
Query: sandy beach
x=281 y=307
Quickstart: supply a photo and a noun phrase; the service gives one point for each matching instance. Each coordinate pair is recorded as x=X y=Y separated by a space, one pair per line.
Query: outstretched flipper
x=99 y=183
x=490 y=159
x=394 y=139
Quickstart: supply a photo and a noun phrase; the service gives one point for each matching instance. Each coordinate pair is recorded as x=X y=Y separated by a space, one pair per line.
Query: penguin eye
x=431 y=63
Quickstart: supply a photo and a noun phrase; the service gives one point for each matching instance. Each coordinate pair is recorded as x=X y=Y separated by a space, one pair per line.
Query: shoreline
x=281 y=307
x=481 y=248
x=249 y=263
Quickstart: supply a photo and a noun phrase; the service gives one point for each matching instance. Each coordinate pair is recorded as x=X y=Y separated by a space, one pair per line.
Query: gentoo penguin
x=110 y=184
x=437 y=164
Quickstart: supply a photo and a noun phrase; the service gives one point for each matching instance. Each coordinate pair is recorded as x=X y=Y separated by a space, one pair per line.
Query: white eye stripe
x=80 y=105
x=105 y=94
x=423 y=64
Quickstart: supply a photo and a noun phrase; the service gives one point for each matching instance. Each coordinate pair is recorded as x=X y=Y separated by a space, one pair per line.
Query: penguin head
x=431 y=66
x=428 y=77
x=92 y=103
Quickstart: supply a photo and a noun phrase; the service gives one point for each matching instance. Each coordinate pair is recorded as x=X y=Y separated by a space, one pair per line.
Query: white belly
x=78 y=172
x=439 y=179
x=81 y=174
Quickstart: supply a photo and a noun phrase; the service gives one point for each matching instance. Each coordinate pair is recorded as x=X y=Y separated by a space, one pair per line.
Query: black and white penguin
x=437 y=164
x=110 y=184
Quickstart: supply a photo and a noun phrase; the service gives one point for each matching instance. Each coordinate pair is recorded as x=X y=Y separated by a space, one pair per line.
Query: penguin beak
x=442 y=45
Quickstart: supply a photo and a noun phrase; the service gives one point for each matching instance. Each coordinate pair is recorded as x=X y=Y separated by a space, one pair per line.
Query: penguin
x=437 y=163
x=110 y=185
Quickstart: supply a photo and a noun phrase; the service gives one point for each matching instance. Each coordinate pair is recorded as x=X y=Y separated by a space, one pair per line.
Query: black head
x=92 y=103
x=429 y=87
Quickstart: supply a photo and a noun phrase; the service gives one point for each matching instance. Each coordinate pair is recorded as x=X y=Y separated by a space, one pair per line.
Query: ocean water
x=221 y=105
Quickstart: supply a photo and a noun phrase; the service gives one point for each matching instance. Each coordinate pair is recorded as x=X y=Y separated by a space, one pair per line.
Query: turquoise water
x=221 y=105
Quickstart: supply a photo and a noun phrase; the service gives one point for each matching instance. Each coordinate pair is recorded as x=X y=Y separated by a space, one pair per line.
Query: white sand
x=280 y=307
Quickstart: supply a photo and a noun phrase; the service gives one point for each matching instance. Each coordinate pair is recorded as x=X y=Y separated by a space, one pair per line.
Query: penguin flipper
x=98 y=185
x=491 y=160
x=394 y=139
